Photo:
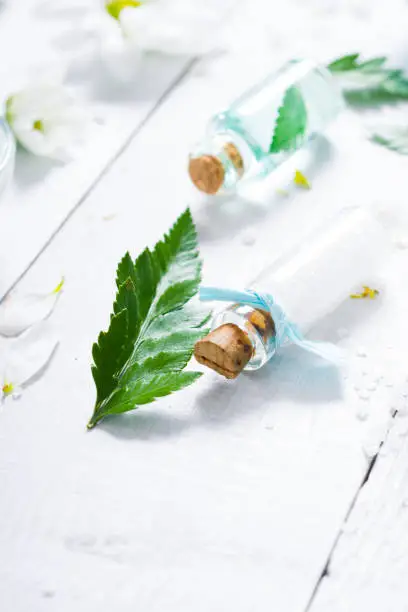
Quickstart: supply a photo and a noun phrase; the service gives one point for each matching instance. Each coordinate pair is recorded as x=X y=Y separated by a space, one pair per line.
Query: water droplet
x=363 y=394
x=343 y=332
x=401 y=243
x=371 y=386
x=109 y=216
x=248 y=239
x=362 y=415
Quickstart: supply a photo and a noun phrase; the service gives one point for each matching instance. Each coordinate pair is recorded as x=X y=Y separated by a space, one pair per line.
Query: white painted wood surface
x=369 y=565
x=227 y=495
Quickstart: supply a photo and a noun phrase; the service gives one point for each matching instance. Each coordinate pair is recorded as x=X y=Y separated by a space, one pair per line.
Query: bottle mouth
x=227 y=349
x=242 y=338
x=207 y=173
x=211 y=172
x=253 y=323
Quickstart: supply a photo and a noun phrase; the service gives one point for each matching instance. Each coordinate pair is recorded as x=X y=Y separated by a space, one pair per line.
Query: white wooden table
x=284 y=490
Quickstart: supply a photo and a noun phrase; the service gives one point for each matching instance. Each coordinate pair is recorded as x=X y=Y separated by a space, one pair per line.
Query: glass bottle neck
x=258 y=325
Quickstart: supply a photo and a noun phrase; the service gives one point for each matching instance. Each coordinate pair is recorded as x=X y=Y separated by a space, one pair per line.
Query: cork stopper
x=207 y=173
x=226 y=350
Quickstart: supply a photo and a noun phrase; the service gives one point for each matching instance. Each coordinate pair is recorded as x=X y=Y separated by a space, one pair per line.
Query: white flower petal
x=60 y=122
x=19 y=313
x=33 y=141
x=27 y=356
x=177 y=28
x=121 y=55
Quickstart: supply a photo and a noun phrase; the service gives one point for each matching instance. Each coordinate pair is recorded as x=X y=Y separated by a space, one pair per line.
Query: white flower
x=23 y=359
x=45 y=119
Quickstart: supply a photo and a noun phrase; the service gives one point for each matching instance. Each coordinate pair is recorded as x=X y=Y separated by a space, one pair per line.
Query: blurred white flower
x=120 y=55
x=23 y=359
x=46 y=120
x=171 y=27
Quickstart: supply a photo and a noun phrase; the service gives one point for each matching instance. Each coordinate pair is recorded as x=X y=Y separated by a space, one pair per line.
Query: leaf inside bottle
x=291 y=123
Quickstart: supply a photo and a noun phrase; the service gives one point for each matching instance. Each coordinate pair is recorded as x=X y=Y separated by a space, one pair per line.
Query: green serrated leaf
x=347 y=62
x=125 y=270
x=154 y=326
x=393 y=137
x=291 y=122
x=351 y=63
x=178 y=341
x=108 y=355
x=161 y=363
x=126 y=300
x=191 y=316
x=144 y=391
x=369 y=83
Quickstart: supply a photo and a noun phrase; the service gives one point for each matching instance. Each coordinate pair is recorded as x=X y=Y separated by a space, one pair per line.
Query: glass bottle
x=265 y=126
x=7 y=154
x=308 y=283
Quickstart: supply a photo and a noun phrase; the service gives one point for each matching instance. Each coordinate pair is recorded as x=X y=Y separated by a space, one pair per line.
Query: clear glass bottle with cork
x=265 y=126
x=287 y=299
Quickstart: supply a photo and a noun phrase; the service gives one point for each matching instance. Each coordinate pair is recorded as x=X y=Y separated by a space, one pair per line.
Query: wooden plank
x=367 y=570
x=227 y=495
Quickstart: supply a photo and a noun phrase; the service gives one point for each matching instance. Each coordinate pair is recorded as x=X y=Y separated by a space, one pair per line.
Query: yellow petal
x=300 y=180
x=370 y=293
x=366 y=293
x=115 y=7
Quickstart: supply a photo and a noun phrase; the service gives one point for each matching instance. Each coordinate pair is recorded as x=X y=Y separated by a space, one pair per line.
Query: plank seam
x=109 y=164
x=326 y=569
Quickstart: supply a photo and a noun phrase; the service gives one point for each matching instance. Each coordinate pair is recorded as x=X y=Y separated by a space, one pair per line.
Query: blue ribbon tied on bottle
x=286 y=332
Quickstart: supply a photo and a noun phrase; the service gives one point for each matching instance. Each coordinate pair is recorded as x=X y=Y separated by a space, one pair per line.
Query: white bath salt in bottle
x=290 y=297
x=265 y=126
